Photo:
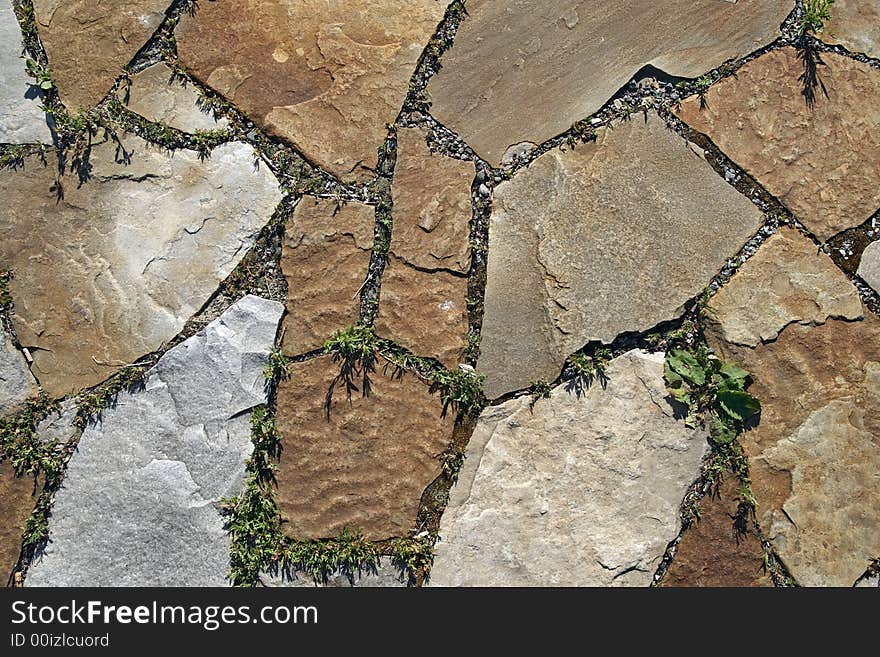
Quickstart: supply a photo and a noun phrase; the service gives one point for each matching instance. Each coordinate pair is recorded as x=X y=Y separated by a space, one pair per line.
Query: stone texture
x=531 y=82
x=855 y=24
x=712 y=553
x=822 y=162
x=59 y=425
x=788 y=280
x=325 y=258
x=21 y=119
x=869 y=266
x=869 y=582
x=424 y=312
x=432 y=206
x=158 y=98
x=90 y=41
x=18 y=495
x=115 y=268
x=816 y=452
x=612 y=237
x=386 y=575
x=16 y=382
x=325 y=75
x=577 y=491
x=363 y=466
x=164 y=456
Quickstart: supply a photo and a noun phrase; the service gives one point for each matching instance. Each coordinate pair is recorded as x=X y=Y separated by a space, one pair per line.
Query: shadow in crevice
x=812 y=60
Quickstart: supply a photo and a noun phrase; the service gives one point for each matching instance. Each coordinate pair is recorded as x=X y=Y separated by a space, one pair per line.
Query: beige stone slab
x=855 y=24
x=869 y=266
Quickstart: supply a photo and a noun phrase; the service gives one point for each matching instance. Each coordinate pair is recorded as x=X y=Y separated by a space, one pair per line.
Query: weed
x=816 y=14
x=472 y=350
x=584 y=370
x=92 y=403
x=413 y=555
x=355 y=348
x=40 y=74
x=6 y=276
x=539 y=390
x=459 y=390
x=277 y=366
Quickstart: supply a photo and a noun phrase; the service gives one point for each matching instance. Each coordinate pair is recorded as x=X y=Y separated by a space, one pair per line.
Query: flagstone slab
x=869 y=266
x=855 y=24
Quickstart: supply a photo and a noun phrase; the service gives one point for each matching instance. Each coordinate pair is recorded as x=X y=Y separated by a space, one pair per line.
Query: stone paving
x=439 y=293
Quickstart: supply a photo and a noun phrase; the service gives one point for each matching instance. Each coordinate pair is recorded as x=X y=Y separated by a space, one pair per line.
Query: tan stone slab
x=575 y=490
x=855 y=24
x=18 y=495
x=612 y=237
x=788 y=280
x=89 y=42
x=816 y=452
x=712 y=552
x=325 y=258
x=323 y=74
x=363 y=467
x=432 y=206
x=822 y=162
x=156 y=97
x=424 y=312
x=116 y=268
x=525 y=71
x=869 y=265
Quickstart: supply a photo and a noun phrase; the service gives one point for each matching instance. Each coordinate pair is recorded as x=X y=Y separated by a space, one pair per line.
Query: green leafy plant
x=587 y=369
x=41 y=75
x=816 y=14
x=713 y=391
x=277 y=366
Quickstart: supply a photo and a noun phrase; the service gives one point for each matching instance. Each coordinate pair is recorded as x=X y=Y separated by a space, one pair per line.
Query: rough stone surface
x=855 y=24
x=18 y=495
x=788 y=280
x=117 y=266
x=822 y=162
x=816 y=452
x=386 y=575
x=432 y=206
x=711 y=553
x=364 y=467
x=869 y=267
x=325 y=258
x=21 y=119
x=869 y=582
x=16 y=382
x=90 y=41
x=164 y=456
x=158 y=98
x=59 y=425
x=576 y=491
x=531 y=82
x=424 y=312
x=325 y=75
x=611 y=237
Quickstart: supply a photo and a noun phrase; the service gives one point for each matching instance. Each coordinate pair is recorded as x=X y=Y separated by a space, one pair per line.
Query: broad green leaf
x=734 y=373
x=738 y=404
x=687 y=366
x=719 y=432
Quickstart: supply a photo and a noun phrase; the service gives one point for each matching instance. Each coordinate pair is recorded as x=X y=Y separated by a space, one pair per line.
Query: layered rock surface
x=614 y=236
x=855 y=24
x=90 y=41
x=787 y=280
x=16 y=382
x=21 y=119
x=578 y=490
x=325 y=258
x=869 y=266
x=531 y=82
x=110 y=269
x=822 y=160
x=325 y=75
x=358 y=463
x=165 y=455
x=156 y=97
x=19 y=496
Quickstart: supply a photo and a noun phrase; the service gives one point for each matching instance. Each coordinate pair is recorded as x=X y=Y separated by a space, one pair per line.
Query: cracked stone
x=822 y=162
x=432 y=206
x=855 y=24
x=577 y=491
x=637 y=224
x=325 y=75
x=788 y=280
x=531 y=83
x=424 y=312
x=816 y=452
x=869 y=266
x=19 y=495
x=325 y=258
x=89 y=42
x=21 y=119
x=116 y=267
x=156 y=97
x=386 y=575
x=16 y=382
x=712 y=553
x=364 y=465
x=165 y=454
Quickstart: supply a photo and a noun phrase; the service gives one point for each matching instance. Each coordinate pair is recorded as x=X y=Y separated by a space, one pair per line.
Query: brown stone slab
x=18 y=495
